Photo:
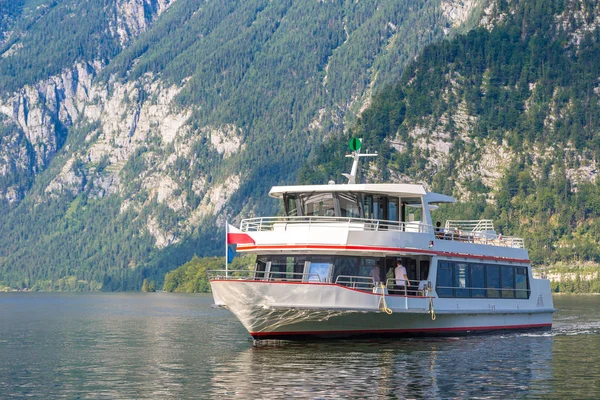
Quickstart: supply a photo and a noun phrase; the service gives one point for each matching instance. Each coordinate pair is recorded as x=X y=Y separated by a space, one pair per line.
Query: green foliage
x=148 y=286
x=526 y=84
x=192 y=276
x=50 y=36
x=284 y=73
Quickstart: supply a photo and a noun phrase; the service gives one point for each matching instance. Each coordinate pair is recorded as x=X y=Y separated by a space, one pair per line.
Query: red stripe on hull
x=375 y=248
x=433 y=331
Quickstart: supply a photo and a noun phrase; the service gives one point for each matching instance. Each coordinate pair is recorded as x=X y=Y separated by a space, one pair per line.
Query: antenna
x=355 y=145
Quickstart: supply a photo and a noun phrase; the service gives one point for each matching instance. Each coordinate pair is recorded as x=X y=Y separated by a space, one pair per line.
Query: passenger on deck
x=439 y=232
x=401 y=276
x=376 y=273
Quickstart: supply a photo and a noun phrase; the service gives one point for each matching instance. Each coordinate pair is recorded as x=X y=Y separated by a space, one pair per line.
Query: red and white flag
x=236 y=236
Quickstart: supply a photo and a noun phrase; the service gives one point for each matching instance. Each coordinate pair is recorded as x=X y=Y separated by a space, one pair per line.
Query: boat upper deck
x=463 y=231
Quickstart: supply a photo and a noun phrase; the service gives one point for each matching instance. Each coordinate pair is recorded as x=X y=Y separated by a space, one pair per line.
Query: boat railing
x=263 y=224
x=483 y=292
x=483 y=237
x=475 y=231
x=413 y=288
x=222 y=274
x=480 y=225
x=356 y=282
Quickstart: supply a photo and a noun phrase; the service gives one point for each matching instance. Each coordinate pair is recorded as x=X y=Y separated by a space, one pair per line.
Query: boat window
x=444 y=279
x=508 y=282
x=259 y=269
x=521 y=284
x=368 y=206
x=291 y=206
x=492 y=276
x=473 y=280
x=461 y=280
x=393 y=209
x=477 y=280
x=320 y=204
x=349 y=205
x=319 y=270
x=282 y=267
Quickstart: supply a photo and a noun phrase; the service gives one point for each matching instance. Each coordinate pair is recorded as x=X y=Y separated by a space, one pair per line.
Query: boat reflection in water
x=451 y=367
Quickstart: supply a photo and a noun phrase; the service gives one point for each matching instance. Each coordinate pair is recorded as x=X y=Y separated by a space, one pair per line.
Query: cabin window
x=521 y=283
x=444 y=279
x=281 y=267
x=393 y=209
x=508 y=282
x=320 y=204
x=477 y=280
x=291 y=205
x=472 y=280
x=349 y=205
x=319 y=272
x=368 y=206
x=259 y=268
x=492 y=276
x=461 y=280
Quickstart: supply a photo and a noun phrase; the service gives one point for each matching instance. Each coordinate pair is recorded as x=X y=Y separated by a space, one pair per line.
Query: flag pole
x=226 y=250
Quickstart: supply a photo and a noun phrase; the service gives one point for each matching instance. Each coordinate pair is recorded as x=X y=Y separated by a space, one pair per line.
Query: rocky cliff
x=178 y=117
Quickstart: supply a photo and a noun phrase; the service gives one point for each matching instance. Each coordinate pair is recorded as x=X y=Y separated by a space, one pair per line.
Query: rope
x=382 y=304
x=431 y=310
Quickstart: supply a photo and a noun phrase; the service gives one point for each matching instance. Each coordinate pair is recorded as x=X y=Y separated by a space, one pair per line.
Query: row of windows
x=458 y=279
x=348 y=204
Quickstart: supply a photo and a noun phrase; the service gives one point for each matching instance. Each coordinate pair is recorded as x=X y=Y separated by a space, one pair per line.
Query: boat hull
x=306 y=311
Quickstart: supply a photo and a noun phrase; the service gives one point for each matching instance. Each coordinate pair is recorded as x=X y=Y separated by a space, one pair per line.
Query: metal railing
x=413 y=288
x=481 y=225
x=262 y=224
x=222 y=274
x=476 y=231
x=356 y=282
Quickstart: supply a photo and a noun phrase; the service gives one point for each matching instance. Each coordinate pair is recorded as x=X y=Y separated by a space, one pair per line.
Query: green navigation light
x=355 y=144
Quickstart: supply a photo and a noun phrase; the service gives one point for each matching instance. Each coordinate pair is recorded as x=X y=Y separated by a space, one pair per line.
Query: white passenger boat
x=326 y=268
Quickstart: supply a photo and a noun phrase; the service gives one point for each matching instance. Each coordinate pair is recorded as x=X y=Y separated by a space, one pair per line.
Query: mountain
x=132 y=129
x=506 y=118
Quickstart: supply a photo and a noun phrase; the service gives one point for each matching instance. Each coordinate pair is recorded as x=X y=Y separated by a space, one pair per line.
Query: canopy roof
x=390 y=189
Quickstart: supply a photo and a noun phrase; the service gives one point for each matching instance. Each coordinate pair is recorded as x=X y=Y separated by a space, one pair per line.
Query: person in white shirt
x=401 y=277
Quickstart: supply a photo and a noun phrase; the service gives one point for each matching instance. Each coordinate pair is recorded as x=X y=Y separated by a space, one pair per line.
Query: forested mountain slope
x=131 y=129
x=506 y=118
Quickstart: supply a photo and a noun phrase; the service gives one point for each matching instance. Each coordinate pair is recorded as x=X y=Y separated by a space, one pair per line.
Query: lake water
x=176 y=346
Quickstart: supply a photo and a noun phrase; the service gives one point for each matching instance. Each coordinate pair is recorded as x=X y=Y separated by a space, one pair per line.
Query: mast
x=355 y=145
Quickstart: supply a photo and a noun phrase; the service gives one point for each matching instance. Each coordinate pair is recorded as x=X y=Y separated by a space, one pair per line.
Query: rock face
x=135 y=16
x=125 y=136
x=42 y=114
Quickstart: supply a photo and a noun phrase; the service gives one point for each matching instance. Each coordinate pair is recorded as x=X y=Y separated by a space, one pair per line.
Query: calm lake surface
x=176 y=346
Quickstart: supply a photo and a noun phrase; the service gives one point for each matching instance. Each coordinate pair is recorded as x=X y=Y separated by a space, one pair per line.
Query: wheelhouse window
x=349 y=205
x=320 y=204
x=290 y=202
